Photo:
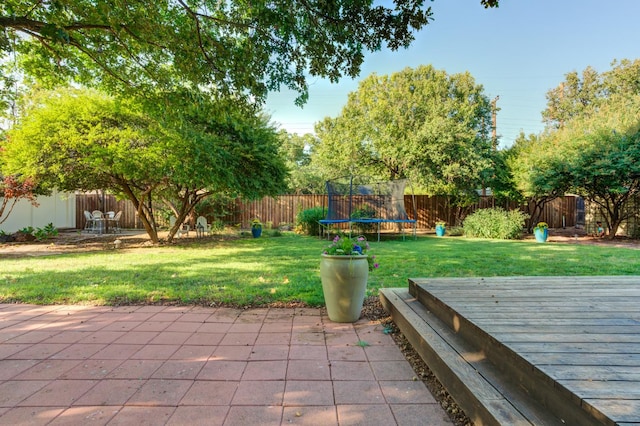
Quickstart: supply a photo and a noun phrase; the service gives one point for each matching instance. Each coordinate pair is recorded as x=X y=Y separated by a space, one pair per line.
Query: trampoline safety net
x=350 y=200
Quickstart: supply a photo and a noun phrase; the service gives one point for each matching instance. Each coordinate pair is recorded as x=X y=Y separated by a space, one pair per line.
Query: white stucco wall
x=59 y=209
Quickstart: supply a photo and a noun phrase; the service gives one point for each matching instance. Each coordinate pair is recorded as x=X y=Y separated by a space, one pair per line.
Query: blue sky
x=518 y=52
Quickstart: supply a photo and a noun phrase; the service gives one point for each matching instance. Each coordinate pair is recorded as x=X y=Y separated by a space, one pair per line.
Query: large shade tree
x=235 y=47
x=420 y=123
x=238 y=45
x=593 y=118
x=595 y=155
x=179 y=149
x=601 y=153
x=536 y=173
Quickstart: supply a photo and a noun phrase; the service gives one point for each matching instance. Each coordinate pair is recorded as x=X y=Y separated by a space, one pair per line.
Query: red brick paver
x=154 y=365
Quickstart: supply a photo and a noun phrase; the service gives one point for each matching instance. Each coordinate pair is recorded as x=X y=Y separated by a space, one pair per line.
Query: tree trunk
x=538 y=207
x=149 y=225
x=613 y=228
x=185 y=212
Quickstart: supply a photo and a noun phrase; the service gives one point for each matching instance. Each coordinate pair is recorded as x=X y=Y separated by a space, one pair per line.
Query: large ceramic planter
x=541 y=235
x=344 y=284
x=256 y=232
x=440 y=230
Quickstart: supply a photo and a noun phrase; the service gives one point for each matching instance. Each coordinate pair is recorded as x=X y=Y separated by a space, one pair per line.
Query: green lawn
x=282 y=269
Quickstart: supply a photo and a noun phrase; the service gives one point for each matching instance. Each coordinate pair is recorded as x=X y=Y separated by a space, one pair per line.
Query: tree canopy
x=241 y=46
x=581 y=96
x=420 y=123
x=536 y=173
x=600 y=156
x=178 y=149
x=590 y=145
x=304 y=177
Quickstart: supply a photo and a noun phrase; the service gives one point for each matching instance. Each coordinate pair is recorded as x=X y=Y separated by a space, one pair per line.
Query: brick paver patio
x=156 y=365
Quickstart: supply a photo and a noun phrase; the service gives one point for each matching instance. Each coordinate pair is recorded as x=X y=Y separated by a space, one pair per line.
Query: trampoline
x=355 y=200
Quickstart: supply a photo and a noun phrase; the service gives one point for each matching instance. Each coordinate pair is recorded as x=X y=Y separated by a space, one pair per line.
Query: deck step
x=491 y=383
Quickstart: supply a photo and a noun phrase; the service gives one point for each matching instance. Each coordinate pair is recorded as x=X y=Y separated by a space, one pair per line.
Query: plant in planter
x=344 y=270
x=440 y=228
x=256 y=228
x=541 y=232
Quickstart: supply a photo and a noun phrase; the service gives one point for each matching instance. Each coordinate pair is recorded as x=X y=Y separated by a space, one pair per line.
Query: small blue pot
x=440 y=230
x=541 y=235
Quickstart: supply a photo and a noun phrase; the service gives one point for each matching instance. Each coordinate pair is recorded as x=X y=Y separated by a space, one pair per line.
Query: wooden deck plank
x=604 y=360
x=590 y=322
x=623 y=410
x=575 y=348
x=521 y=336
x=604 y=373
x=581 y=332
x=514 y=280
x=523 y=327
x=622 y=390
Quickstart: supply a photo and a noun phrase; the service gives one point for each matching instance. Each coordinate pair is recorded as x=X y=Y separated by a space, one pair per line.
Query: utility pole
x=494 y=122
x=494 y=135
x=561 y=122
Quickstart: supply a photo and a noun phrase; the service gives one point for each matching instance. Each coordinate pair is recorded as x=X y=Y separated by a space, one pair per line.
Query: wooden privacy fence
x=277 y=211
x=106 y=203
x=428 y=210
x=283 y=210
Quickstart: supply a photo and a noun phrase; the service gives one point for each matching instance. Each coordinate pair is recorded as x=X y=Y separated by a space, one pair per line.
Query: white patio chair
x=114 y=222
x=203 y=226
x=99 y=221
x=90 y=223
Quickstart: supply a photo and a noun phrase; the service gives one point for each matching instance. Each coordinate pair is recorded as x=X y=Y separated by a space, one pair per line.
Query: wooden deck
x=529 y=350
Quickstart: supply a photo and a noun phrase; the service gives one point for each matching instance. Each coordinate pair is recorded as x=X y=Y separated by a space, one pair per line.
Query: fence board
x=105 y=203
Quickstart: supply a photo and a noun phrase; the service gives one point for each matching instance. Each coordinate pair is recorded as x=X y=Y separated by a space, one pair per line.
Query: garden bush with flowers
x=343 y=245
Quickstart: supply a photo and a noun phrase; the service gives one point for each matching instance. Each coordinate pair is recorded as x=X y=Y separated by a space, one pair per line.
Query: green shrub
x=38 y=234
x=307 y=221
x=29 y=230
x=50 y=230
x=495 y=223
x=41 y=233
